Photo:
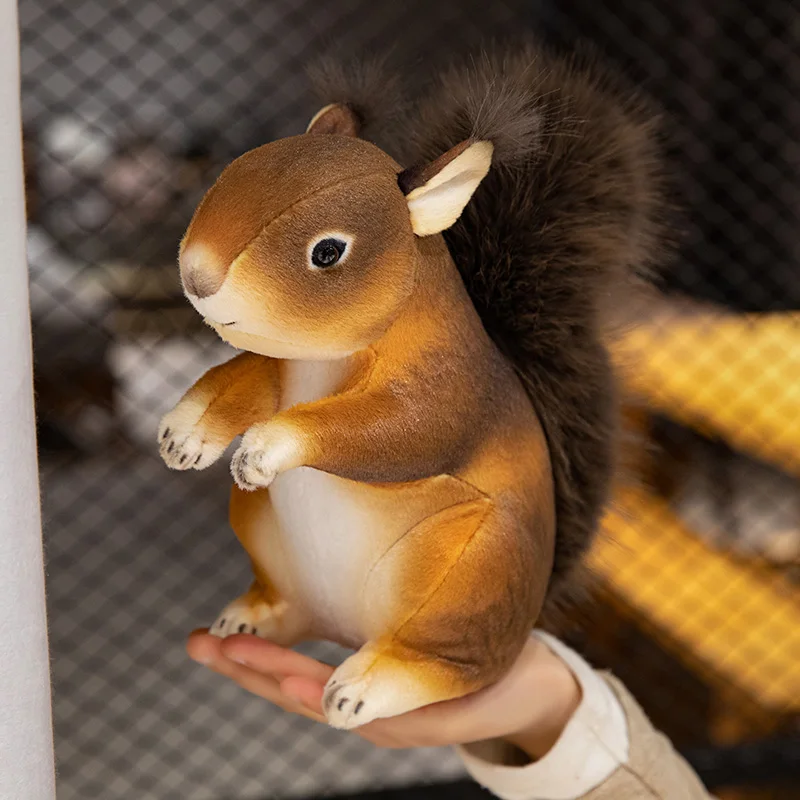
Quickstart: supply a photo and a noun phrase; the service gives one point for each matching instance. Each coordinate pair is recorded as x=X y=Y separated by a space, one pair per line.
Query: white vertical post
x=26 y=740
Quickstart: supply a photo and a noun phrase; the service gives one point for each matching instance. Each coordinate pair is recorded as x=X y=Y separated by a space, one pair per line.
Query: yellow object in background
x=736 y=377
x=735 y=620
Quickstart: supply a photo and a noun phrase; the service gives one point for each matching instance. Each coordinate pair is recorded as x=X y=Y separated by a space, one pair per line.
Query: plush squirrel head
x=307 y=247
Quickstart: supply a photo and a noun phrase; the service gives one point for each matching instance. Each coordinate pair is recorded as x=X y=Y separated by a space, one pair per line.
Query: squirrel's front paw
x=265 y=451
x=251 y=469
x=184 y=443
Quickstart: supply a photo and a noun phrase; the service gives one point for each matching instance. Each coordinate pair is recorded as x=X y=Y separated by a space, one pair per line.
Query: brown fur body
x=411 y=510
x=451 y=469
x=554 y=242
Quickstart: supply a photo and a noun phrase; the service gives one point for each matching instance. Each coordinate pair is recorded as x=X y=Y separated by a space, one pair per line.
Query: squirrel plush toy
x=425 y=397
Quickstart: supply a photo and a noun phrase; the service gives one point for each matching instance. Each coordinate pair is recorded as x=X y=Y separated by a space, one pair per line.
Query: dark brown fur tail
x=376 y=95
x=552 y=244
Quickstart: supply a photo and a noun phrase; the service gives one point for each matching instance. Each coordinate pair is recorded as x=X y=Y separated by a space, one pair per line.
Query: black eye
x=327 y=252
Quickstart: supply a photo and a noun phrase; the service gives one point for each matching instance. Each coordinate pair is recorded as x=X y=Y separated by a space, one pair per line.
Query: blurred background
x=130 y=111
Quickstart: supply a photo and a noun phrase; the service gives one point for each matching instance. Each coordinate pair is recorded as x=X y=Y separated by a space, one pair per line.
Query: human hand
x=529 y=707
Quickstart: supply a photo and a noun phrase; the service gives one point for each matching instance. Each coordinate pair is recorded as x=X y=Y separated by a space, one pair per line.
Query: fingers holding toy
x=208 y=650
x=529 y=707
x=287 y=679
x=269 y=658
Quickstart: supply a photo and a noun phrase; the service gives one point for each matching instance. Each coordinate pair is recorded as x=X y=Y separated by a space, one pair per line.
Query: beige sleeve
x=609 y=750
x=653 y=769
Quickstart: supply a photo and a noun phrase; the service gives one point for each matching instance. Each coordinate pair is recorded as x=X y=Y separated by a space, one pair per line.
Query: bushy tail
x=552 y=243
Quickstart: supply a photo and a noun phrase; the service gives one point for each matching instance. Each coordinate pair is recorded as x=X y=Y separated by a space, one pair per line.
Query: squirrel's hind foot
x=384 y=679
x=251 y=614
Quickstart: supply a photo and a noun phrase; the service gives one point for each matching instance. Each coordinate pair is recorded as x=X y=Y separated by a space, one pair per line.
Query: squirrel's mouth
x=259 y=336
x=213 y=323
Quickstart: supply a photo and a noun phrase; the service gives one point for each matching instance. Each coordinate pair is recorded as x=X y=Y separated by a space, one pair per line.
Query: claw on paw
x=265 y=451
x=250 y=471
x=347 y=705
x=183 y=441
x=248 y=614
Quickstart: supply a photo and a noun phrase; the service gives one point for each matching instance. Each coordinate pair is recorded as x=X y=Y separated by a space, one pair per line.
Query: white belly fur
x=326 y=531
x=325 y=536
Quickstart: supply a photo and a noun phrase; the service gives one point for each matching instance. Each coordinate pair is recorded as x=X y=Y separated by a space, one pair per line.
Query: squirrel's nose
x=202 y=273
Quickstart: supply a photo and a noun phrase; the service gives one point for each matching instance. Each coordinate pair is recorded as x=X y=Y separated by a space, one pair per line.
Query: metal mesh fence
x=130 y=110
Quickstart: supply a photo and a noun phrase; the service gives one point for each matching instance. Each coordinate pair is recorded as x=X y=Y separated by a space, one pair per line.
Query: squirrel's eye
x=327 y=252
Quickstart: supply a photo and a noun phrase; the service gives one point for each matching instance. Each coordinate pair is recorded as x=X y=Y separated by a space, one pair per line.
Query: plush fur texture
x=367 y=87
x=553 y=242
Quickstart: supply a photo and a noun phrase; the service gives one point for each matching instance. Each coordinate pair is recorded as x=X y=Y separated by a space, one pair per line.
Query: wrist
x=559 y=698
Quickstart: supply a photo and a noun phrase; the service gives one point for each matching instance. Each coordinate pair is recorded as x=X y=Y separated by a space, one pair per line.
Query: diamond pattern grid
x=130 y=110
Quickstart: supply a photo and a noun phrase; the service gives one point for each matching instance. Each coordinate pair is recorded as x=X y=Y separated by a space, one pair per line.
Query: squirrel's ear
x=438 y=192
x=337 y=119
